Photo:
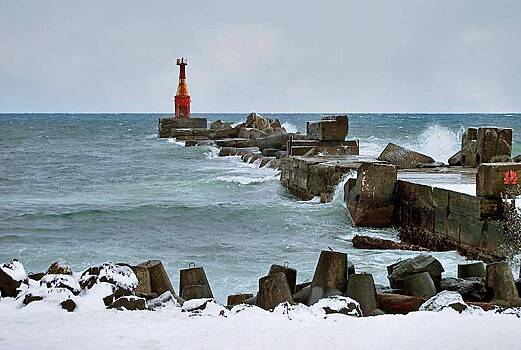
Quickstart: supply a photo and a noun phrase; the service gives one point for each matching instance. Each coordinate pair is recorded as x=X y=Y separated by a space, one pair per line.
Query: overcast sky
x=267 y=56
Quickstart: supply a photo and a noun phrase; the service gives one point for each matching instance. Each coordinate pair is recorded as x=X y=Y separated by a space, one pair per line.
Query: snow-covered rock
x=119 y=275
x=61 y=281
x=339 y=305
x=14 y=269
x=446 y=299
x=205 y=307
x=164 y=300
x=60 y=267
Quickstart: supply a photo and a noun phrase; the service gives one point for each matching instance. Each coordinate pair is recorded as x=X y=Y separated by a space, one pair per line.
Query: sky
x=266 y=56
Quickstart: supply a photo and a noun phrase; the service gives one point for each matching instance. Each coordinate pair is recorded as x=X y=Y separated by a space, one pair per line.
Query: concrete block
x=402 y=157
x=495 y=179
x=329 y=128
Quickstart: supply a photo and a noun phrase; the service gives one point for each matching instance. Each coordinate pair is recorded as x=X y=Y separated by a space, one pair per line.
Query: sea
x=90 y=188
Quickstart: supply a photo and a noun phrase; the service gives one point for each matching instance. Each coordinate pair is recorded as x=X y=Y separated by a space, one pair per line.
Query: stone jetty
x=399 y=188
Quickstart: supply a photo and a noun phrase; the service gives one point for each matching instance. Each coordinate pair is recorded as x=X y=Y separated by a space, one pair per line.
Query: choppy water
x=91 y=188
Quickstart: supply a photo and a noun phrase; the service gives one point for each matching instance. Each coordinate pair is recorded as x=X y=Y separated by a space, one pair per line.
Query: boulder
x=367 y=242
x=237 y=143
x=443 y=300
x=204 y=307
x=226 y=133
x=36 y=276
x=275 y=124
x=431 y=165
x=29 y=298
x=129 y=303
x=60 y=267
x=270 y=152
x=500 y=159
x=517 y=158
x=402 y=157
x=118 y=275
x=371 y=200
x=472 y=288
x=61 y=281
x=219 y=125
x=421 y=263
x=69 y=305
x=164 y=300
x=456 y=159
x=277 y=140
x=339 y=305
x=273 y=290
x=12 y=274
x=236 y=299
x=493 y=142
x=257 y=121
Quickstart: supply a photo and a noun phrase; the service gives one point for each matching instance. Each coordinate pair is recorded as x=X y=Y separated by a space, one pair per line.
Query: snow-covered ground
x=50 y=328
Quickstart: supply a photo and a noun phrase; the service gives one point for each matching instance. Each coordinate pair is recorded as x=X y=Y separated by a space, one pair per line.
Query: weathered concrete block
x=159 y=281
x=273 y=290
x=237 y=143
x=371 y=201
x=290 y=273
x=419 y=285
x=471 y=134
x=236 y=299
x=402 y=157
x=329 y=128
x=195 y=282
x=494 y=179
x=361 y=288
x=500 y=283
x=472 y=269
x=330 y=274
x=493 y=142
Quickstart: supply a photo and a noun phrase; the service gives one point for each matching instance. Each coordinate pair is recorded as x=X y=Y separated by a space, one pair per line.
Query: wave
x=290 y=128
x=179 y=143
x=438 y=141
x=247 y=180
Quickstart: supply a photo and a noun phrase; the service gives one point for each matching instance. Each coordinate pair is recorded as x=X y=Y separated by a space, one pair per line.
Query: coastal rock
x=361 y=288
x=69 y=305
x=330 y=273
x=443 y=300
x=12 y=274
x=473 y=289
x=500 y=159
x=270 y=152
x=277 y=140
x=431 y=165
x=290 y=273
x=367 y=242
x=129 y=303
x=237 y=299
x=118 y=275
x=275 y=124
x=421 y=263
x=273 y=290
x=29 y=298
x=402 y=157
x=60 y=267
x=257 y=121
x=500 y=284
x=204 y=307
x=219 y=125
x=164 y=300
x=329 y=128
x=456 y=159
x=419 y=285
x=517 y=158
x=339 y=305
x=61 y=281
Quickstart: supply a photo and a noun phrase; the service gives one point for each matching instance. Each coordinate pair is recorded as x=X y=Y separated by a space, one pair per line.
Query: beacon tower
x=182 y=97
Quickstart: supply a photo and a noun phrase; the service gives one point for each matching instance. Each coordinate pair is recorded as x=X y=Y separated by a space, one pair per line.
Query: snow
x=252 y=328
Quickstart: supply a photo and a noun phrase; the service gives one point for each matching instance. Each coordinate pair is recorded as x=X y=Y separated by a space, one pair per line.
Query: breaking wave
x=437 y=141
x=290 y=128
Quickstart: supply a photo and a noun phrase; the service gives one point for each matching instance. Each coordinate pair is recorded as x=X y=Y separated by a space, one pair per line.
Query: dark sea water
x=93 y=188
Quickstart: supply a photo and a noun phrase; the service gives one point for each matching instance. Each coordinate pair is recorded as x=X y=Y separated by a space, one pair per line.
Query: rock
x=431 y=165
x=456 y=159
x=276 y=124
x=204 y=307
x=402 y=157
x=473 y=289
x=331 y=128
x=219 y=125
x=237 y=143
x=164 y=300
x=330 y=273
x=273 y=290
x=302 y=295
x=517 y=158
x=277 y=140
x=398 y=304
x=236 y=299
x=225 y=133
x=29 y=298
x=493 y=142
x=270 y=152
x=471 y=134
x=281 y=154
x=371 y=201
x=472 y=269
x=61 y=281
x=443 y=300
x=290 y=273
x=366 y=242
x=339 y=305
x=69 y=305
x=11 y=276
x=36 y=276
x=129 y=303
x=60 y=267
x=193 y=284
x=117 y=293
x=420 y=263
x=419 y=285
x=118 y=275
x=255 y=120
x=361 y=288
x=500 y=284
